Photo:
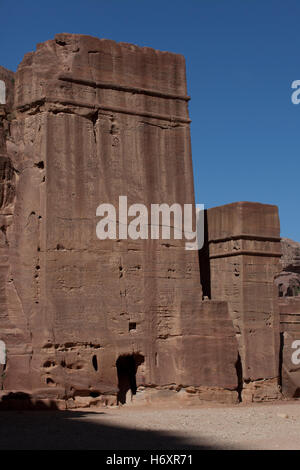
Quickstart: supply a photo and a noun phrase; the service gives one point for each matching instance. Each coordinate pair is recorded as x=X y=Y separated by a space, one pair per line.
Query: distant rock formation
x=288 y=281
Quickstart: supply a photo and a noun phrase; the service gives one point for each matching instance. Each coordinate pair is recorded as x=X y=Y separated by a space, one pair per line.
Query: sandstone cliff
x=91 y=120
x=87 y=321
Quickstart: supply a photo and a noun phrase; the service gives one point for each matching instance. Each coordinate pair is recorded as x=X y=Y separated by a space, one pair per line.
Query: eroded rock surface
x=93 y=120
x=89 y=322
x=241 y=259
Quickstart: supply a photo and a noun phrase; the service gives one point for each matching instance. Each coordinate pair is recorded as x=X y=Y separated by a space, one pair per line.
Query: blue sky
x=241 y=55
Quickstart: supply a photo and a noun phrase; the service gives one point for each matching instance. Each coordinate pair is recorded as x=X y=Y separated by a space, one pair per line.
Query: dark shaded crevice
x=297 y=393
x=49 y=364
x=3 y=230
x=204 y=262
x=2 y=375
x=280 y=359
x=239 y=372
x=93 y=118
x=95 y=362
x=60 y=42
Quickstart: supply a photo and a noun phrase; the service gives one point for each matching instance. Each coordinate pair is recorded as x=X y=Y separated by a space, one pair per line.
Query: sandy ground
x=260 y=426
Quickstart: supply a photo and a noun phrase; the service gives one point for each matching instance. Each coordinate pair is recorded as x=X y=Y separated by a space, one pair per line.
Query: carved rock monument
x=85 y=321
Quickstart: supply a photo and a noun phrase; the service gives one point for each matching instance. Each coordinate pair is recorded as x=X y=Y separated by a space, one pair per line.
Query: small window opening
x=132 y=325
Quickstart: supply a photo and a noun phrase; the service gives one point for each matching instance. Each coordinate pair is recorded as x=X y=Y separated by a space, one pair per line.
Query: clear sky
x=241 y=55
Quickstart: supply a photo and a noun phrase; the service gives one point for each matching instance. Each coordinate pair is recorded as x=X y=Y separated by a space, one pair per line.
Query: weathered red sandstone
x=242 y=258
x=288 y=283
x=88 y=120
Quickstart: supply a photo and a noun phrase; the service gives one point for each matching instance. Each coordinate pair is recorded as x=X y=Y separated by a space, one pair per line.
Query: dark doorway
x=127 y=366
x=239 y=372
x=204 y=262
